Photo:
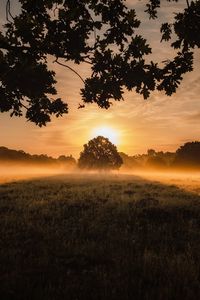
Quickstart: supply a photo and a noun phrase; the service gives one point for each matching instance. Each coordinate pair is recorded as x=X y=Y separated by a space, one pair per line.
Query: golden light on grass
x=107 y=132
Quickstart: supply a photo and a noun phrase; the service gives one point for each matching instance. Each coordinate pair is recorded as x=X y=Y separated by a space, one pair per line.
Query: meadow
x=100 y=237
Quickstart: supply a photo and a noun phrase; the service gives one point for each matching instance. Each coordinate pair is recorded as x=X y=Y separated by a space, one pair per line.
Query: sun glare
x=107 y=132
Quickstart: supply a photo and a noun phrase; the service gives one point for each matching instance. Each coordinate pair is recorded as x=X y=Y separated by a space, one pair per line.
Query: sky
x=134 y=125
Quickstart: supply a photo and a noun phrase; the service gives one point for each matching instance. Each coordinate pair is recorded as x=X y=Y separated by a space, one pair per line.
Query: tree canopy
x=188 y=155
x=101 y=33
x=100 y=154
x=20 y=157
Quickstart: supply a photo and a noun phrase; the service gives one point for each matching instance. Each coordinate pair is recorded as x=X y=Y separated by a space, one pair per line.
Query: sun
x=107 y=132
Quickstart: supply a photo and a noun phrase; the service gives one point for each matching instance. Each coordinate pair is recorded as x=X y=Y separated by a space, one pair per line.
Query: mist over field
x=187 y=179
x=98 y=235
x=13 y=172
x=107 y=226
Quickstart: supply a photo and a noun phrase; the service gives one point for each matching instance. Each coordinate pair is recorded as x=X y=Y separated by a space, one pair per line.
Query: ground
x=100 y=237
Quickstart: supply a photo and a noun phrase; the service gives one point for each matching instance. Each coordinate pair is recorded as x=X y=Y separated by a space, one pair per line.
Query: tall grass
x=98 y=238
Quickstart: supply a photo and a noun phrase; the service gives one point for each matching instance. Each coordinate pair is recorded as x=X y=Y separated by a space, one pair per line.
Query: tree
x=129 y=162
x=188 y=155
x=85 y=31
x=100 y=154
x=156 y=162
x=151 y=152
x=67 y=160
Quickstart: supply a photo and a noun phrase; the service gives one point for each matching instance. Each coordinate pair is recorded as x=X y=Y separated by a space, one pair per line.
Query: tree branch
x=54 y=11
x=95 y=33
x=8 y=11
x=24 y=106
x=7 y=18
x=71 y=69
x=87 y=62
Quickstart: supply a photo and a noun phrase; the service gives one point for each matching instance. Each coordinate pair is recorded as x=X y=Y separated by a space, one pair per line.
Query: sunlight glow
x=107 y=132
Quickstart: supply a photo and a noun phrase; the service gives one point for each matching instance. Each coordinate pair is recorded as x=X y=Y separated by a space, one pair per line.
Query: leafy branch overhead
x=101 y=33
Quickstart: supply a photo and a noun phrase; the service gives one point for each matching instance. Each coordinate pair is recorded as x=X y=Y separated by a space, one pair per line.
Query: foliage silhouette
x=129 y=162
x=14 y=156
x=188 y=155
x=100 y=154
x=156 y=162
x=85 y=31
x=151 y=152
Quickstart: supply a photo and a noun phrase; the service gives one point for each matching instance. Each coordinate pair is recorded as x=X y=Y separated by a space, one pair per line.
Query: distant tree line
x=186 y=156
x=9 y=155
x=101 y=154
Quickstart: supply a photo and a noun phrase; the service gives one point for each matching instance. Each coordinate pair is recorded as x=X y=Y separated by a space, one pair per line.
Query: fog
x=184 y=179
x=187 y=180
x=15 y=172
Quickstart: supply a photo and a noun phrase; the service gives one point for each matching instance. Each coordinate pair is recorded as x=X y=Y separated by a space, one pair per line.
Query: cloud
x=193 y=118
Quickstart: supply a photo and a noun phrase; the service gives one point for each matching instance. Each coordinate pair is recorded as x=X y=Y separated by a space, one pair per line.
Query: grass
x=98 y=238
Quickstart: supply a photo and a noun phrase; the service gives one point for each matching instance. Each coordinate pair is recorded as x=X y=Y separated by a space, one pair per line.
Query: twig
x=95 y=33
x=24 y=106
x=54 y=11
x=71 y=69
x=8 y=11
x=87 y=61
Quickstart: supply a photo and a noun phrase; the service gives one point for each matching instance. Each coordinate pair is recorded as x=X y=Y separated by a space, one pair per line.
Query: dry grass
x=99 y=237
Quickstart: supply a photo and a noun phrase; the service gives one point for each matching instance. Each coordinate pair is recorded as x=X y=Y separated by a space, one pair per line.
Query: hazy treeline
x=19 y=156
x=186 y=156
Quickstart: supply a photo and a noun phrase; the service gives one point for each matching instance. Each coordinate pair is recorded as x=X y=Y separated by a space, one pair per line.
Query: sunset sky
x=135 y=125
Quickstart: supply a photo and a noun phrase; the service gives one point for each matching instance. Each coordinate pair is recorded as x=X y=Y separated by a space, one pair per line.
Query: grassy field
x=99 y=237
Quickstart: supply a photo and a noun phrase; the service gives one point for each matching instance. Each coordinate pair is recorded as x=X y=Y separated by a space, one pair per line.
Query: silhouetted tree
x=129 y=162
x=84 y=31
x=14 y=156
x=188 y=155
x=67 y=160
x=151 y=152
x=156 y=162
x=100 y=154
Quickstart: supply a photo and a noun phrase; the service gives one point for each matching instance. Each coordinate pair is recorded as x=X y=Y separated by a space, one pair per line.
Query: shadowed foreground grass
x=98 y=238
